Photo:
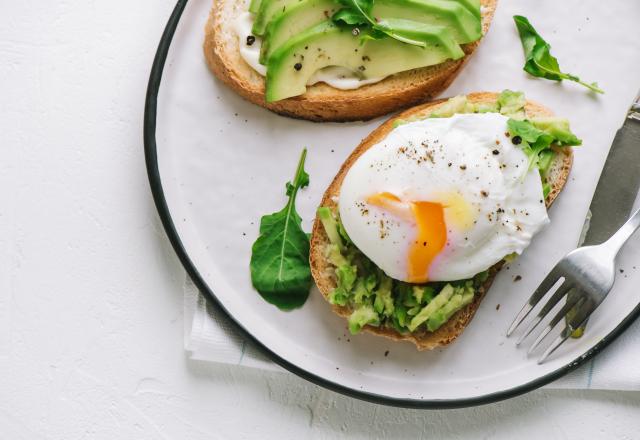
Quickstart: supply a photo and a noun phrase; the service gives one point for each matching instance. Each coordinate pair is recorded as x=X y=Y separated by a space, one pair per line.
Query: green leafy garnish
x=358 y=13
x=539 y=61
x=536 y=140
x=531 y=140
x=350 y=16
x=280 y=256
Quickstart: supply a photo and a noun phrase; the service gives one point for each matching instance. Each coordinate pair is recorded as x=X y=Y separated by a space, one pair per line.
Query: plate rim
x=157 y=190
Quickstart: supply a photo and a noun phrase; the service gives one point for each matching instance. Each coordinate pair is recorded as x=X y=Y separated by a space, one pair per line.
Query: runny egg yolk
x=431 y=234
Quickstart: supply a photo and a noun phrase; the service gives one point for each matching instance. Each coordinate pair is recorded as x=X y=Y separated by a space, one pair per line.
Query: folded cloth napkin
x=210 y=336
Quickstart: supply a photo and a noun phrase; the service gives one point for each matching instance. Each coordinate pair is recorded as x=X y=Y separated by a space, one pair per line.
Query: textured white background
x=90 y=291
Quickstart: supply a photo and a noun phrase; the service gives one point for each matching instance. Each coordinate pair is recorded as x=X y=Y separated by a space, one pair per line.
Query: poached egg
x=442 y=199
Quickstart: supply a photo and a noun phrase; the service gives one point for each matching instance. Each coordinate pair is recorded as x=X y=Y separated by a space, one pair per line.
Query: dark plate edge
x=151 y=158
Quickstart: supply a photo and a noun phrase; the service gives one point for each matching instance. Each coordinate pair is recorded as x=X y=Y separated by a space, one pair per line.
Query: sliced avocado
x=472 y=6
x=298 y=17
x=269 y=9
x=327 y=44
x=301 y=15
x=465 y=26
x=254 y=6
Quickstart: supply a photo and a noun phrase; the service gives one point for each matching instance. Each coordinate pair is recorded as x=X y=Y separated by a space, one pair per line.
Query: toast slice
x=322 y=102
x=322 y=270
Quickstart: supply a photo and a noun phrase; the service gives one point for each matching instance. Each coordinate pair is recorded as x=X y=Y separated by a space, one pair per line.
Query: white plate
x=220 y=163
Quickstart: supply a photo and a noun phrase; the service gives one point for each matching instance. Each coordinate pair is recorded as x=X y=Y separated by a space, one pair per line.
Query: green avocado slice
x=472 y=6
x=326 y=44
x=294 y=16
x=465 y=27
x=267 y=9
x=300 y=16
x=254 y=6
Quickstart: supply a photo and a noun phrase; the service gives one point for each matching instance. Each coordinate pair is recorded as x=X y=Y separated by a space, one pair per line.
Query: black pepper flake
x=483 y=193
x=386 y=353
x=517 y=278
x=449 y=164
x=516 y=140
x=362 y=68
x=355 y=31
x=297 y=66
x=621 y=270
x=463 y=167
x=497 y=306
x=250 y=40
x=495 y=152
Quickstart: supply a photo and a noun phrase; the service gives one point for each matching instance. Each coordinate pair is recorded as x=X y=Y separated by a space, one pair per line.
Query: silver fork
x=588 y=272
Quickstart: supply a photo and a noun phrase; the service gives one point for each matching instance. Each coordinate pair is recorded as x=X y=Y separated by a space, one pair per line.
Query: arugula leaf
x=536 y=142
x=539 y=61
x=358 y=12
x=350 y=17
x=279 y=264
x=532 y=140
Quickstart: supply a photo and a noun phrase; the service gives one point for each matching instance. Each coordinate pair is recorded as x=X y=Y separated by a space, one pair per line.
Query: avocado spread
x=376 y=299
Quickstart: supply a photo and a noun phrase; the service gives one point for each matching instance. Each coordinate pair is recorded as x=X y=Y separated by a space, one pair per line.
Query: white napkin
x=210 y=336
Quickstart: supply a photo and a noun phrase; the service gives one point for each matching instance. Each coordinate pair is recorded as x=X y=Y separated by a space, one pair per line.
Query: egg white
x=466 y=162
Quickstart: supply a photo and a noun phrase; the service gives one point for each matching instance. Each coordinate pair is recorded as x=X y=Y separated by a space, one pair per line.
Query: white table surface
x=90 y=290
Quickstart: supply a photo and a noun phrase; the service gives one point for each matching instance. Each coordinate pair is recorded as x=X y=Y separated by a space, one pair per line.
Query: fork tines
x=576 y=303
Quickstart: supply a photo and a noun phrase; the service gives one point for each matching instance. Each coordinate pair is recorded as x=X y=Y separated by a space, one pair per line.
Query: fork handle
x=623 y=234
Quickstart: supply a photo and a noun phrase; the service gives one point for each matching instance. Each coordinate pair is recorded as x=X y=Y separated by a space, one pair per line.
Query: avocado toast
x=446 y=325
x=322 y=102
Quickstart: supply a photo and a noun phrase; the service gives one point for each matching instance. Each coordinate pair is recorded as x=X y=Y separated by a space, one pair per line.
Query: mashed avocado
x=378 y=300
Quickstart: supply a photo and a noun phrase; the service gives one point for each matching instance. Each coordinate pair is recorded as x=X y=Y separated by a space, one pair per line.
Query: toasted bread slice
x=323 y=272
x=322 y=102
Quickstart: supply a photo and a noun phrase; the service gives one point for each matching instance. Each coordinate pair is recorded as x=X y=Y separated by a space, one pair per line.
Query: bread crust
x=322 y=271
x=322 y=102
